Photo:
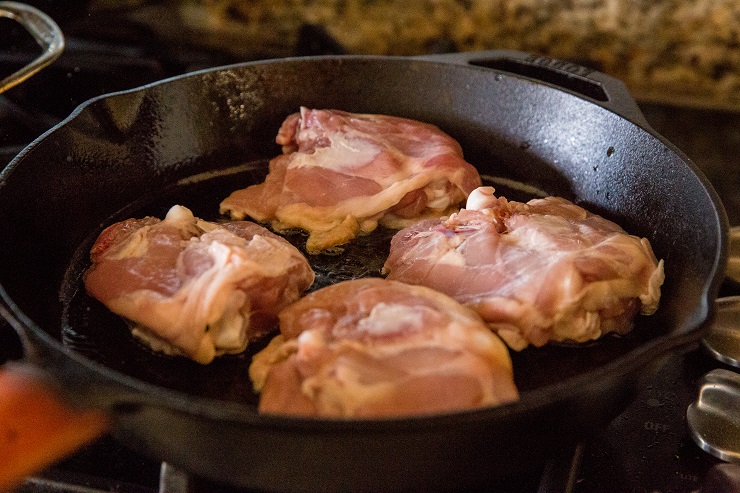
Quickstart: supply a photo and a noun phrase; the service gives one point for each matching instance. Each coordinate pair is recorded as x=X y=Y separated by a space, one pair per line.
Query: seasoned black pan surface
x=89 y=328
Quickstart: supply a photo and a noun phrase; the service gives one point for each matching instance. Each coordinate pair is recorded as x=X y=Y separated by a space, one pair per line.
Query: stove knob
x=722 y=340
x=722 y=478
x=713 y=419
x=733 y=256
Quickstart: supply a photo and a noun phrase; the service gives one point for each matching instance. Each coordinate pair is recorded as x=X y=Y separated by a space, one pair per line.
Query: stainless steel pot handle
x=44 y=30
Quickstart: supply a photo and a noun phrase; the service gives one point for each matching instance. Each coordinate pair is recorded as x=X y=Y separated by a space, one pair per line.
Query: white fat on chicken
x=195 y=288
x=543 y=271
x=372 y=348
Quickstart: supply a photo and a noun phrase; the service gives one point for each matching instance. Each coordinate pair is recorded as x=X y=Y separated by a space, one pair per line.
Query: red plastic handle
x=37 y=428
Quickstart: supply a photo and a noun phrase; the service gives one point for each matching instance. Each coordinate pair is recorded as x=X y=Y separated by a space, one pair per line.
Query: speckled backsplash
x=683 y=52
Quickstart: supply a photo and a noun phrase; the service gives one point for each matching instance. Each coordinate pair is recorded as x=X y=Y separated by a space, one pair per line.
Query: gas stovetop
x=647 y=448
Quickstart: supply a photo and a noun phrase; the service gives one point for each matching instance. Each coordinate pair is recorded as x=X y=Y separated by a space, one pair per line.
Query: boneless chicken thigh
x=372 y=347
x=342 y=173
x=545 y=270
x=193 y=287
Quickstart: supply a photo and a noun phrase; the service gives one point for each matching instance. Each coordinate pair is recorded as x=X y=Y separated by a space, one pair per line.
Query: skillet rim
x=145 y=393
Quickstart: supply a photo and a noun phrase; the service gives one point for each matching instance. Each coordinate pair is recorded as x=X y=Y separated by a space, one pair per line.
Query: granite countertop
x=683 y=52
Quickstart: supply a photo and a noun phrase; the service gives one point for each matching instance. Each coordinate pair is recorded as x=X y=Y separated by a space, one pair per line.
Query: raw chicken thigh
x=341 y=174
x=547 y=270
x=372 y=347
x=192 y=287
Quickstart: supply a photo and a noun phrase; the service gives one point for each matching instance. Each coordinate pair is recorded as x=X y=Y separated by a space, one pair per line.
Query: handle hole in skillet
x=562 y=74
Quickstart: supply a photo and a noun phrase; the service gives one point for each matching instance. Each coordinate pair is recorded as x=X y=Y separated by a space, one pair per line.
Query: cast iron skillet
x=192 y=139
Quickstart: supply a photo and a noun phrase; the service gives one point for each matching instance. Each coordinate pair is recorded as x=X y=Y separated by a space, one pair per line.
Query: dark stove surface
x=646 y=449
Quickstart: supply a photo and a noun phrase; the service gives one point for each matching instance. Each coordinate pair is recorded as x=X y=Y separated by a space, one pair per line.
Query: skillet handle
x=37 y=427
x=604 y=90
x=43 y=29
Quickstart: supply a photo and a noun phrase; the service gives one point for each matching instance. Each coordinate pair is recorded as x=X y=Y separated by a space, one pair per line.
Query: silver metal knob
x=714 y=419
x=723 y=336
